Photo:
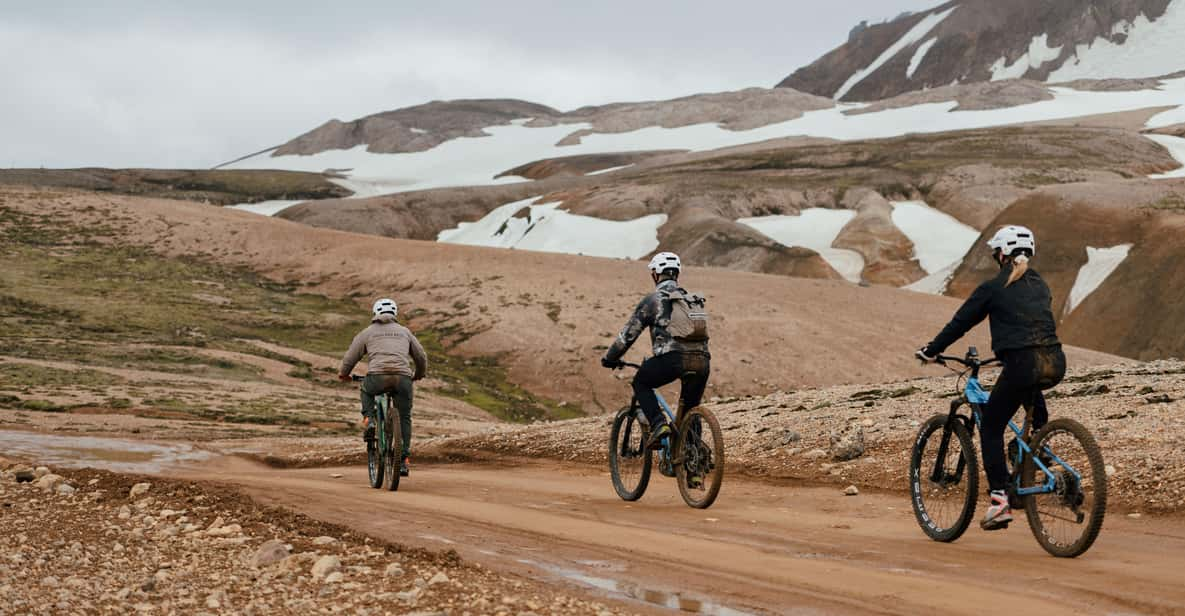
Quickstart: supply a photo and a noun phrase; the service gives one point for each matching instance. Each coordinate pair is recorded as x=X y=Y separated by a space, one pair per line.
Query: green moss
x=127 y=303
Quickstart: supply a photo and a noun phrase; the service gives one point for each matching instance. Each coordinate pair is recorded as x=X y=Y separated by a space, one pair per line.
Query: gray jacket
x=392 y=349
x=650 y=314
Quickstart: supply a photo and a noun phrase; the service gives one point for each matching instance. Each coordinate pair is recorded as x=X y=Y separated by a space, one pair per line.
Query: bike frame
x=666 y=410
x=975 y=396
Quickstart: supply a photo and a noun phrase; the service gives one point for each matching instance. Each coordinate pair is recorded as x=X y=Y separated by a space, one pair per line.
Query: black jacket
x=1021 y=316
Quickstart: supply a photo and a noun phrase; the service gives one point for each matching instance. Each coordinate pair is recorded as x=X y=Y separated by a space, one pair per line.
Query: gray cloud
x=187 y=85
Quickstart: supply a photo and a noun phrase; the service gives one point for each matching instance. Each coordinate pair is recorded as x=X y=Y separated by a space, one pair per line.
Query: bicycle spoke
x=1073 y=492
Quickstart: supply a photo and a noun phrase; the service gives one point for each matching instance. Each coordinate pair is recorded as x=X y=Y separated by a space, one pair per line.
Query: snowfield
x=915 y=34
x=1152 y=49
x=936 y=283
x=546 y=228
x=1176 y=147
x=939 y=240
x=266 y=208
x=1039 y=53
x=476 y=160
x=1100 y=263
x=918 y=56
x=814 y=228
x=609 y=170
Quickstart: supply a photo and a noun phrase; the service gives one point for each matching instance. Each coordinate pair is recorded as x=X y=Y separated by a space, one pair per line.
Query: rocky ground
x=90 y=541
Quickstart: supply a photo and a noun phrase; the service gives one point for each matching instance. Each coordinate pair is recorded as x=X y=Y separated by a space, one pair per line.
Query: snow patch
x=265 y=208
x=609 y=170
x=1152 y=49
x=914 y=35
x=1176 y=147
x=1039 y=53
x=815 y=228
x=1100 y=263
x=546 y=228
x=939 y=239
x=418 y=131
x=936 y=283
x=918 y=56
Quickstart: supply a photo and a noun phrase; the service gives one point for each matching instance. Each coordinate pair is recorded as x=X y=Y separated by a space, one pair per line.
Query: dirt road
x=760 y=549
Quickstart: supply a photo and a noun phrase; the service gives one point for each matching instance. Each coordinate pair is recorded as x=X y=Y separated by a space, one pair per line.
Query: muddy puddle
x=678 y=600
x=120 y=455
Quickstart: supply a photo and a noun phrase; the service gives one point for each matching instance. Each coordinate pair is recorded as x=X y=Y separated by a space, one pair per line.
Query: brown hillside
x=546 y=316
x=1136 y=311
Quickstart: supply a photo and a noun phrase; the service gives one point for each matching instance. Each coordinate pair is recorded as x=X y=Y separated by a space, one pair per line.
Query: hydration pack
x=687 y=318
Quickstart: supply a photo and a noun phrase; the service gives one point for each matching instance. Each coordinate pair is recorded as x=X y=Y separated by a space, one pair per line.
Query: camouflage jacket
x=650 y=314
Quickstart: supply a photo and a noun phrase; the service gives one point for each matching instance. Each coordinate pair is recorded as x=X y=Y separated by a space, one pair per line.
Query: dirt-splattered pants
x=1026 y=373
x=690 y=368
x=401 y=390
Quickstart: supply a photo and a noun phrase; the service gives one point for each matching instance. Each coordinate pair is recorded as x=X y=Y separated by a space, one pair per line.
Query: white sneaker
x=999 y=513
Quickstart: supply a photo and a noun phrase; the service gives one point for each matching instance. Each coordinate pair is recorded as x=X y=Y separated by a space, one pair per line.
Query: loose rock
x=326 y=565
x=272 y=551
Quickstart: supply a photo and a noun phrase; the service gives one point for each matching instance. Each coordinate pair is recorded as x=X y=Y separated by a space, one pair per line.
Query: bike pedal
x=1000 y=526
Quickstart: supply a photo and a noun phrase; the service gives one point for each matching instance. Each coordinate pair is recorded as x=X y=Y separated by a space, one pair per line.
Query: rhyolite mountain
x=968 y=41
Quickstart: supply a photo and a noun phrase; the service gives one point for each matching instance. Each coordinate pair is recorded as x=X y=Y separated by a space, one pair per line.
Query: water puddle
x=120 y=455
x=663 y=598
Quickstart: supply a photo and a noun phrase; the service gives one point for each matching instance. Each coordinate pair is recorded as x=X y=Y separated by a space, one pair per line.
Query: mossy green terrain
x=218 y=187
x=78 y=310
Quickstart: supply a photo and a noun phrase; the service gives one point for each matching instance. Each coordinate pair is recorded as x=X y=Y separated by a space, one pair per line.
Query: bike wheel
x=629 y=460
x=943 y=505
x=1066 y=520
x=699 y=458
x=394 y=446
x=374 y=457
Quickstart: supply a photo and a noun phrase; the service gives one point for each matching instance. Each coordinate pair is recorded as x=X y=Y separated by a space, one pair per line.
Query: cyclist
x=393 y=350
x=1024 y=337
x=684 y=358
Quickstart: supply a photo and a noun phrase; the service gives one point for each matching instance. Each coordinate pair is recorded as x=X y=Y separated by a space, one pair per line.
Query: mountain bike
x=1057 y=475
x=695 y=458
x=383 y=451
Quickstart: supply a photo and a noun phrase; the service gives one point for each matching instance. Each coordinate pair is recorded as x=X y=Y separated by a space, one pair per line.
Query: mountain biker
x=1024 y=337
x=392 y=349
x=675 y=358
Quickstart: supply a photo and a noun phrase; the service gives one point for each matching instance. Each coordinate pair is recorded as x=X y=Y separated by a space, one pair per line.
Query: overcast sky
x=193 y=84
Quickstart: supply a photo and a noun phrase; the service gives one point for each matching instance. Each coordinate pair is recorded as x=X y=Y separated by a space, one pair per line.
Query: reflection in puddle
x=120 y=455
x=671 y=599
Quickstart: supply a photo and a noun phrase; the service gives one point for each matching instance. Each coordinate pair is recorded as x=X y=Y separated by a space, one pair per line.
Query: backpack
x=687 y=318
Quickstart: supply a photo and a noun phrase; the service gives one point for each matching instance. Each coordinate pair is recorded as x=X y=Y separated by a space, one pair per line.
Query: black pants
x=690 y=368
x=398 y=386
x=1026 y=373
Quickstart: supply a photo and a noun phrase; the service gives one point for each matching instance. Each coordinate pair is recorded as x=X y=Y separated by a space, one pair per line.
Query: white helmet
x=385 y=306
x=664 y=261
x=1012 y=238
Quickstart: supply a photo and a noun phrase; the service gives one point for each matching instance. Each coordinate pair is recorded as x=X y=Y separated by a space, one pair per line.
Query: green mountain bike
x=382 y=451
x=1057 y=474
x=694 y=456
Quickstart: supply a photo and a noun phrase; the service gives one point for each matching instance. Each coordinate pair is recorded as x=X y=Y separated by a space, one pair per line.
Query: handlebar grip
x=356 y=378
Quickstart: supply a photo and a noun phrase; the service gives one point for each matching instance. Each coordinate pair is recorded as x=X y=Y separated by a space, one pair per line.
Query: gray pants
x=400 y=388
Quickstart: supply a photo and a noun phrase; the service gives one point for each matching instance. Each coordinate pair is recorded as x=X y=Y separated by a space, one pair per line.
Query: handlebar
x=626 y=364
x=356 y=378
x=970 y=361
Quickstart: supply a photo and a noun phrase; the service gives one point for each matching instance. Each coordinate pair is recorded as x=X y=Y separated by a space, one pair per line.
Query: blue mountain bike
x=1057 y=475
x=695 y=458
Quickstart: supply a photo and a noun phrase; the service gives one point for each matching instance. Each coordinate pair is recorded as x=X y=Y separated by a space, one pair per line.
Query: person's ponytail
x=1020 y=265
